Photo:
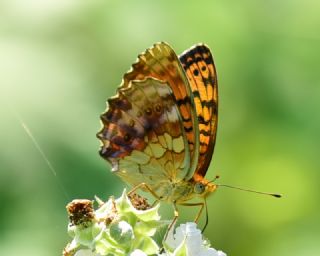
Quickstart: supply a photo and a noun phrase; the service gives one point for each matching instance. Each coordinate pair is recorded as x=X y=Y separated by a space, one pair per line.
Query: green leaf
x=146 y=244
x=146 y=228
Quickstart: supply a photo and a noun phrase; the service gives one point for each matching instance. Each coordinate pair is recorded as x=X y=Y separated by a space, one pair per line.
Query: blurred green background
x=59 y=62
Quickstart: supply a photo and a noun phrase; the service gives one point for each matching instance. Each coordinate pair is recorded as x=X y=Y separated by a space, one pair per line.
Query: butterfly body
x=159 y=130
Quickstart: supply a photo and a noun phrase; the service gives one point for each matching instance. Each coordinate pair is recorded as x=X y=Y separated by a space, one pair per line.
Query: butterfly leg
x=176 y=215
x=154 y=203
x=203 y=205
x=146 y=187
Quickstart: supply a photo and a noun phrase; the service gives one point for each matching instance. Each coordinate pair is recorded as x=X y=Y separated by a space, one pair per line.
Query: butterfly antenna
x=250 y=190
x=215 y=178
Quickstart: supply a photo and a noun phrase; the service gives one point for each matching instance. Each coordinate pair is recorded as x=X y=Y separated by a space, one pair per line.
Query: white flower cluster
x=189 y=239
x=117 y=228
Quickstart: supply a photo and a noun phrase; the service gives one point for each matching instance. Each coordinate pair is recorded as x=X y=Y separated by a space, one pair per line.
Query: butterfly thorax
x=179 y=192
x=186 y=190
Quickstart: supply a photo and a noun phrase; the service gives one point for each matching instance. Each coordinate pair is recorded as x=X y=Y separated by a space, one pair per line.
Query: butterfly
x=159 y=130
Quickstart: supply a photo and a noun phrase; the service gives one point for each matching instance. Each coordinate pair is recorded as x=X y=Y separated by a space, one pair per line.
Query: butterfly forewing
x=199 y=67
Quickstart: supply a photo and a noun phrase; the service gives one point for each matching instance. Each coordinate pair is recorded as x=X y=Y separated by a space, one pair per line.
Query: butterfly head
x=203 y=187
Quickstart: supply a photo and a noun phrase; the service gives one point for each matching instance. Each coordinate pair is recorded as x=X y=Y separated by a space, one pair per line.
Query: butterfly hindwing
x=143 y=135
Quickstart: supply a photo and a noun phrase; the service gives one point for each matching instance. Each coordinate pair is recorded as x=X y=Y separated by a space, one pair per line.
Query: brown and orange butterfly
x=159 y=130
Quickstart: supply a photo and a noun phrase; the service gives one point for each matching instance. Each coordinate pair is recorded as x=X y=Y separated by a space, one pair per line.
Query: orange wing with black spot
x=199 y=67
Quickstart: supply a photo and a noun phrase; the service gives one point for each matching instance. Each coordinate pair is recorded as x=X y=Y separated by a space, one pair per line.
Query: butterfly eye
x=199 y=188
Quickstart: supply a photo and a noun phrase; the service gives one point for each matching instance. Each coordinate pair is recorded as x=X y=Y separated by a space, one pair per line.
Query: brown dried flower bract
x=80 y=211
x=139 y=202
